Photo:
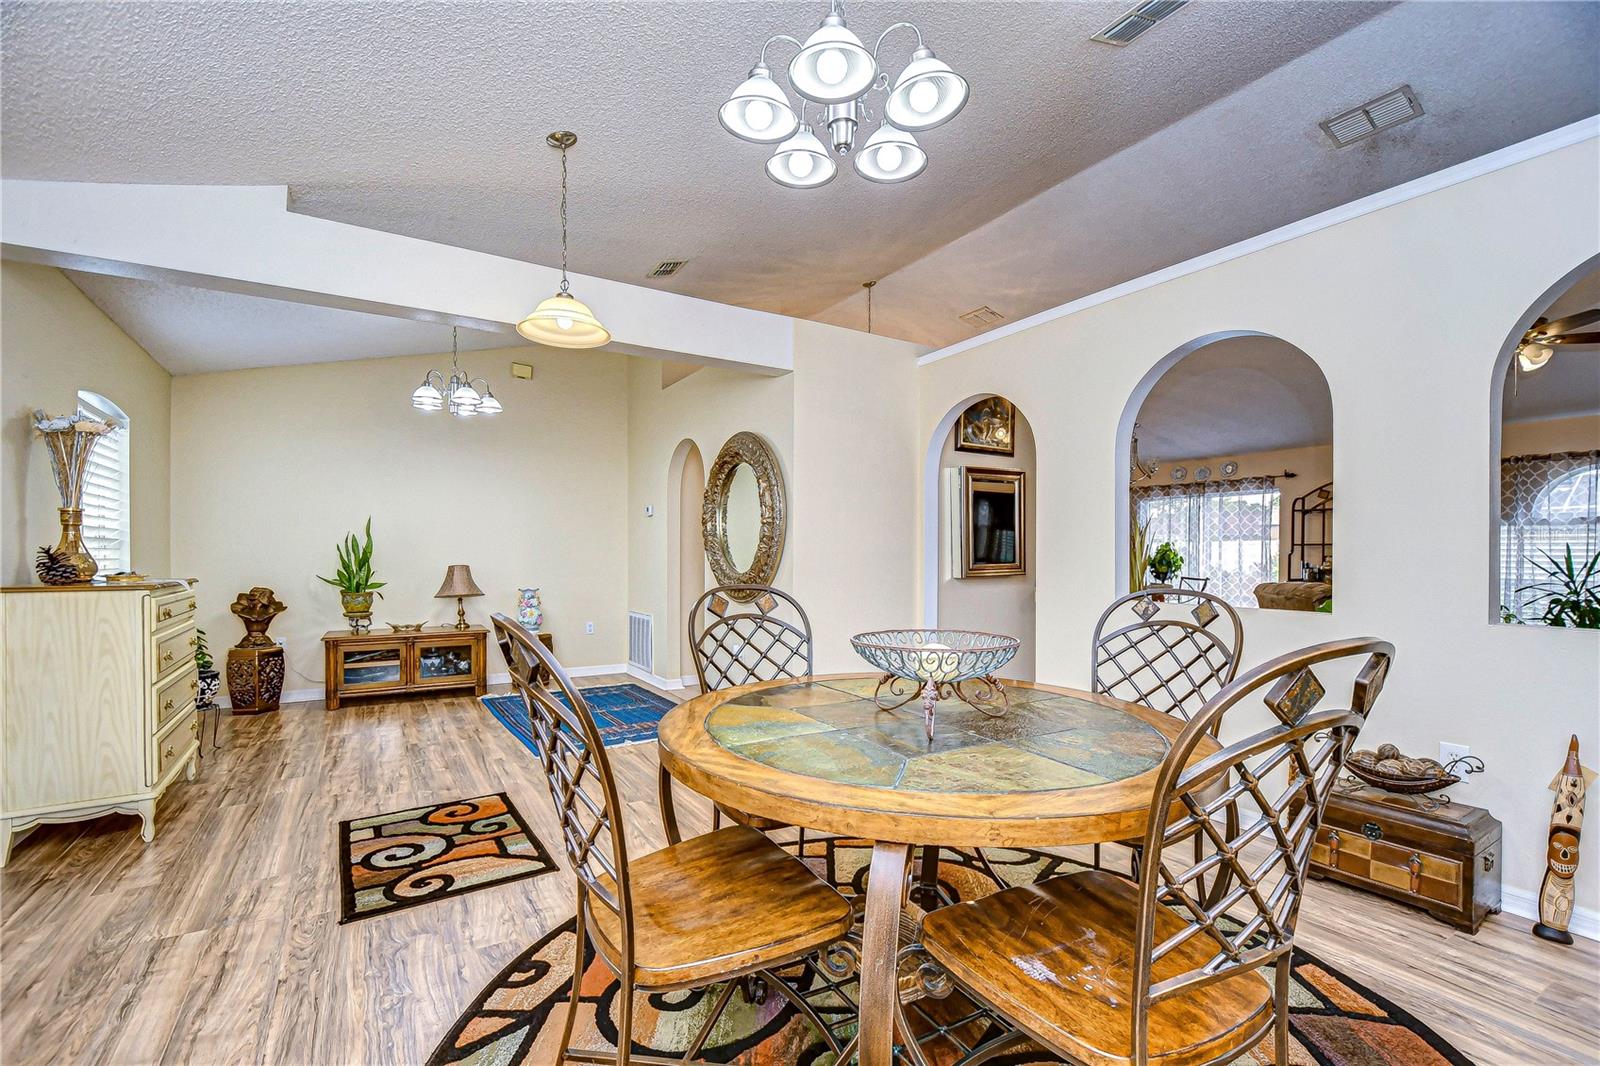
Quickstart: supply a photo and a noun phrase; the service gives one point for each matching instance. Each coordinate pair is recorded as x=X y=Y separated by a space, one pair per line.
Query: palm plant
x=1571 y=594
x=355 y=566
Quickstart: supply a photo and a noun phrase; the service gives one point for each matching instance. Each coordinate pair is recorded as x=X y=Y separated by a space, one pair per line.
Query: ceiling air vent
x=1386 y=112
x=1137 y=21
x=979 y=317
x=666 y=268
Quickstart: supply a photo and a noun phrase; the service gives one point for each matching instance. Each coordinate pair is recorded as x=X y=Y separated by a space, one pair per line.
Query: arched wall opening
x=970 y=578
x=1544 y=454
x=686 y=566
x=1235 y=471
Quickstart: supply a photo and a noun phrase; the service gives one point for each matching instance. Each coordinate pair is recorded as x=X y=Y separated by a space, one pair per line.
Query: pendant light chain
x=869 y=285
x=564 y=286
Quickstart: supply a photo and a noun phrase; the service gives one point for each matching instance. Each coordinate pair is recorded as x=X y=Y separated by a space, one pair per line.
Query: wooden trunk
x=1446 y=861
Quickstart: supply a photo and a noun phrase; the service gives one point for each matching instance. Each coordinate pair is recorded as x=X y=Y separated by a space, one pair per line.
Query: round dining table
x=1057 y=767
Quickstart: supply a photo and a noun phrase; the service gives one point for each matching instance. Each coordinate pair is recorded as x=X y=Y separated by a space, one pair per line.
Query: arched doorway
x=686 y=566
x=980 y=479
x=1225 y=460
x=1545 y=453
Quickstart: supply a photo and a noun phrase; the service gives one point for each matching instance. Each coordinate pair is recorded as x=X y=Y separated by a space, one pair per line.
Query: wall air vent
x=980 y=317
x=666 y=268
x=1386 y=112
x=1138 y=20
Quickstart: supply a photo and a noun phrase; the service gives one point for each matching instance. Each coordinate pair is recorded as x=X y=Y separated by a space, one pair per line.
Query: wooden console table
x=394 y=664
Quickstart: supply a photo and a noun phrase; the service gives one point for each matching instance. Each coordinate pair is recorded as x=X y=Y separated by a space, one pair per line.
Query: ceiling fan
x=1539 y=343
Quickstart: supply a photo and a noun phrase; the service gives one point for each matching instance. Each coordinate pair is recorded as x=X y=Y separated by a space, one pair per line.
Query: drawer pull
x=170 y=751
x=166 y=613
x=166 y=656
x=193 y=641
x=190 y=607
x=1333 y=848
x=1372 y=831
x=167 y=707
x=1414 y=864
x=194 y=684
x=1488 y=862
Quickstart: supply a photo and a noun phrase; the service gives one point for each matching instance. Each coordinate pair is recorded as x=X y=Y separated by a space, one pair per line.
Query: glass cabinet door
x=372 y=666
x=444 y=661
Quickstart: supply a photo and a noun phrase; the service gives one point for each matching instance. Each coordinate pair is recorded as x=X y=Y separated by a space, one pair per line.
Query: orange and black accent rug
x=404 y=858
x=517 y=1019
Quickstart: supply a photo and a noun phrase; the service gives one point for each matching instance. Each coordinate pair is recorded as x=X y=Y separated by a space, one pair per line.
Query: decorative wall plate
x=1179 y=473
x=1229 y=469
x=1202 y=473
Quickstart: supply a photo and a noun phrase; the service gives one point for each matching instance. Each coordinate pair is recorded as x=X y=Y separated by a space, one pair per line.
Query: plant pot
x=357 y=610
x=210 y=685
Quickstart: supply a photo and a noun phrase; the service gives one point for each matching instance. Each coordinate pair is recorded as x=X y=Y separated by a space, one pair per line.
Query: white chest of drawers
x=97 y=702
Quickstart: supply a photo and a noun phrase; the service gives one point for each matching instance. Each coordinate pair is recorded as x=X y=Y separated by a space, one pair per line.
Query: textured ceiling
x=1487 y=75
x=193 y=331
x=1234 y=397
x=428 y=119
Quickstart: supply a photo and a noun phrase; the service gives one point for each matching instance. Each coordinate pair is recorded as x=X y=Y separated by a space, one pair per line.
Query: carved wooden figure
x=1566 y=826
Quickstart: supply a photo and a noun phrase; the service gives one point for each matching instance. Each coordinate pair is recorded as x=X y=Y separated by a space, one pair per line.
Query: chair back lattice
x=766 y=638
x=1244 y=819
x=576 y=768
x=1166 y=650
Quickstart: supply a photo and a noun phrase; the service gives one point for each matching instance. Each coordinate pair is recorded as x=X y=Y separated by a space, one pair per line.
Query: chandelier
x=834 y=71
x=1140 y=469
x=563 y=320
x=456 y=391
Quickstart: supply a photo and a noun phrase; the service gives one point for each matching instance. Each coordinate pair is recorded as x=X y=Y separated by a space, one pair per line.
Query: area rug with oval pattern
x=517 y=1020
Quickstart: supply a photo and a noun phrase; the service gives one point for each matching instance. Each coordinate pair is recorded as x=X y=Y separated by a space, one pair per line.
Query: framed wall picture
x=993 y=527
x=988 y=426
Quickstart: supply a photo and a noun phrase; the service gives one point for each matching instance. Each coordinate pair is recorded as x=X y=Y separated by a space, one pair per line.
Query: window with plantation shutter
x=107 y=528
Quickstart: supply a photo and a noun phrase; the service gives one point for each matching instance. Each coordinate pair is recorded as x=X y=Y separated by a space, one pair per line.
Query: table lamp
x=458 y=583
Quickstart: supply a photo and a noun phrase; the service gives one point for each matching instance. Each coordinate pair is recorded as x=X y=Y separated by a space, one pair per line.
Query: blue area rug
x=624 y=713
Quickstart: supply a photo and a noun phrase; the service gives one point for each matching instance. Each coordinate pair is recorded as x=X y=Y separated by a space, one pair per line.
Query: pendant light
x=456 y=391
x=563 y=320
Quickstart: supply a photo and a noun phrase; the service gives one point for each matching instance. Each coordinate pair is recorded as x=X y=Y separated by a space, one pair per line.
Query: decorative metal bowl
x=940 y=664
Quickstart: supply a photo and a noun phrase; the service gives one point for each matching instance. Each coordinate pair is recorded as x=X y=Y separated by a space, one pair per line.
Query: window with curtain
x=1548 y=503
x=1225 y=530
x=107 y=506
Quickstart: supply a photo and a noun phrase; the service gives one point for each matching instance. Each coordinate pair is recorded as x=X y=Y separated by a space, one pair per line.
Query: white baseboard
x=665 y=683
x=1585 y=920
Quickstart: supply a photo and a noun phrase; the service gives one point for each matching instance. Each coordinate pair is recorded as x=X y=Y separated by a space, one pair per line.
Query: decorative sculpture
x=255 y=664
x=1561 y=858
x=256 y=609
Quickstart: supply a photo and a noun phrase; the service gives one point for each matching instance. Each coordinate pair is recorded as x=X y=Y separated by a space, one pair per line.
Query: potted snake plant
x=354 y=581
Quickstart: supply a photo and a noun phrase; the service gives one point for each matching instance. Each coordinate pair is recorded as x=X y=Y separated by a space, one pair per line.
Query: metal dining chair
x=740 y=634
x=724 y=905
x=1104 y=969
x=1148 y=651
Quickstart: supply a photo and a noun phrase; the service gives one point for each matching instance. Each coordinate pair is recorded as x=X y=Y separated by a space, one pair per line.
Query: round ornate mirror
x=743 y=515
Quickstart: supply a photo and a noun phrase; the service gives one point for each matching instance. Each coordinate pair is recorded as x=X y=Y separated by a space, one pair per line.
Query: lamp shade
x=890 y=155
x=758 y=111
x=801 y=162
x=927 y=93
x=458 y=582
x=564 y=321
x=833 y=66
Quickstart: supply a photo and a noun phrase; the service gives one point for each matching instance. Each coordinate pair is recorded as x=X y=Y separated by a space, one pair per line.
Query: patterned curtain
x=1547 y=504
x=1225 y=530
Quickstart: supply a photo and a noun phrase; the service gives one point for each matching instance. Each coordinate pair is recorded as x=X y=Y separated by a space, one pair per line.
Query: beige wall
x=1312 y=466
x=1413 y=565
x=54 y=342
x=274 y=466
x=991 y=604
x=1547 y=436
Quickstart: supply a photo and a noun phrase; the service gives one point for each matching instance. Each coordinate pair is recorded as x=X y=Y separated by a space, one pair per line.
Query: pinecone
x=54 y=569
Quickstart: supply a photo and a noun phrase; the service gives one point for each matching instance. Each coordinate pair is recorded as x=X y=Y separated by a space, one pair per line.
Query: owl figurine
x=530 y=612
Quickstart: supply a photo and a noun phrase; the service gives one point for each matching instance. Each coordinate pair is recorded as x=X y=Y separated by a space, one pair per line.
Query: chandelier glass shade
x=758 y=111
x=890 y=155
x=801 y=162
x=927 y=94
x=833 y=70
x=563 y=320
x=454 y=391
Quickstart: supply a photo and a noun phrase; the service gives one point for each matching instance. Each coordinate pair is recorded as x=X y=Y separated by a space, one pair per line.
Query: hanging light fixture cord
x=564 y=286
x=868 y=285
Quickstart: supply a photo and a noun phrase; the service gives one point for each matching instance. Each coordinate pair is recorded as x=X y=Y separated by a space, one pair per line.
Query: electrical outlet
x=649 y=511
x=1449 y=751
x=588 y=627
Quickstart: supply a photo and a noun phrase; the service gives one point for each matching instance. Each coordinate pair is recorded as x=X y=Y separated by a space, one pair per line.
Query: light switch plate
x=588 y=627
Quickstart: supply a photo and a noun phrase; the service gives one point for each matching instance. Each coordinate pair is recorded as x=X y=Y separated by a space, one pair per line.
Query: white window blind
x=107 y=525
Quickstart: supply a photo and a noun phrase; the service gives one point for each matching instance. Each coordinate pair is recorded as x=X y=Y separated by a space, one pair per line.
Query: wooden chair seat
x=1059 y=956
x=716 y=906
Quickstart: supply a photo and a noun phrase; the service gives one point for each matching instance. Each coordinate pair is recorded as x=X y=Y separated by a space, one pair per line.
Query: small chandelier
x=456 y=391
x=1140 y=469
x=834 y=70
x=563 y=320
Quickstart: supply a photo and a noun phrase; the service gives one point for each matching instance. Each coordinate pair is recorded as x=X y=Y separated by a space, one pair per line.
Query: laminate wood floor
x=220 y=943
